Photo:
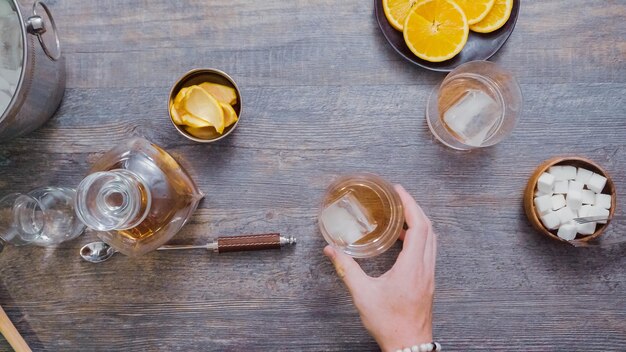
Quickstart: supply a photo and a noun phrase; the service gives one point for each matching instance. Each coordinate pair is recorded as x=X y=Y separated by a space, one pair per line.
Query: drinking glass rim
x=383 y=243
x=38 y=204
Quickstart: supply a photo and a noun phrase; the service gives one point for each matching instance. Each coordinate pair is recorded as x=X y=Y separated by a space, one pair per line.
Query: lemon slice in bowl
x=496 y=18
x=175 y=115
x=222 y=93
x=230 y=115
x=475 y=10
x=204 y=106
x=181 y=94
x=194 y=121
x=396 y=11
x=436 y=30
x=202 y=132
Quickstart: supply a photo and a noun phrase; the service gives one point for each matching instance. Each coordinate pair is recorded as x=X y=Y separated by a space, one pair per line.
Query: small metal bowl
x=198 y=76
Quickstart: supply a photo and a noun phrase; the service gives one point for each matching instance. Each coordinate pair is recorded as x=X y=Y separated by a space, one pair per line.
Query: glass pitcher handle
x=37 y=26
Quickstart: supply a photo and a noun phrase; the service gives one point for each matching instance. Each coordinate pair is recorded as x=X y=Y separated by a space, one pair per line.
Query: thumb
x=347 y=269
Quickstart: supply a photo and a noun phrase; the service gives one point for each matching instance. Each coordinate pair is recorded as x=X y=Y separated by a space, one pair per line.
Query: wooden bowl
x=529 y=195
x=198 y=76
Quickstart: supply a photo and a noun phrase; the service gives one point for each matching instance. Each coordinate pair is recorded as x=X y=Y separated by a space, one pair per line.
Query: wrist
x=404 y=340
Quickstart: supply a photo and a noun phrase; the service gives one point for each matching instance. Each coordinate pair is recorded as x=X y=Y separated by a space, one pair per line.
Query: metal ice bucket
x=32 y=68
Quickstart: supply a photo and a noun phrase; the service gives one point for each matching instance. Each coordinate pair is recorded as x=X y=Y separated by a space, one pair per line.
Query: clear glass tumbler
x=44 y=217
x=361 y=215
x=477 y=105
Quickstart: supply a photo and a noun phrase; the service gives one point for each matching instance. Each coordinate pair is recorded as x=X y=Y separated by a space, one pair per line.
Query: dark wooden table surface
x=325 y=95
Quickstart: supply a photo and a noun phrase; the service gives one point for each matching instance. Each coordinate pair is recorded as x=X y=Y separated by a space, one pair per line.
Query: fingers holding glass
x=419 y=231
x=347 y=269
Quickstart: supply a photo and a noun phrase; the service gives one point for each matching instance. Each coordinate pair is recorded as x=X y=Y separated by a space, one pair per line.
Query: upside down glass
x=477 y=105
x=44 y=217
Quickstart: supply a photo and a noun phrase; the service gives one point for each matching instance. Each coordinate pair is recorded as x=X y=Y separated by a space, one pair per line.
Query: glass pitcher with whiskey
x=137 y=197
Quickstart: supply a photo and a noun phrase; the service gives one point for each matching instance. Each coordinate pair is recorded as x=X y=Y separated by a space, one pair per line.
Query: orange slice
x=396 y=11
x=436 y=30
x=496 y=18
x=475 y=10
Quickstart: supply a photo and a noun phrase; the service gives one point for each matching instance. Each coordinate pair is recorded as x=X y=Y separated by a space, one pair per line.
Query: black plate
x=479 y=46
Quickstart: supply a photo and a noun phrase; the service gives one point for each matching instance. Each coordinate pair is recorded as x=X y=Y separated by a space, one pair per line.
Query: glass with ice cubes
x=477 y=105
x=361 y=215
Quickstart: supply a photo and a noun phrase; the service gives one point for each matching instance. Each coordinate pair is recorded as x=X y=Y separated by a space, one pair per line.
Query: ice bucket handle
x=37 y=26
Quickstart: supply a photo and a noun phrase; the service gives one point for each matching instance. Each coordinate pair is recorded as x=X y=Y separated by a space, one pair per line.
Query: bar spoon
x=98 y=252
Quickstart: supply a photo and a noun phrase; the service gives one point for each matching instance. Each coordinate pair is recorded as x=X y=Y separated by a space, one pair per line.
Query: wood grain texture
x=10 y=333
x=325 y=95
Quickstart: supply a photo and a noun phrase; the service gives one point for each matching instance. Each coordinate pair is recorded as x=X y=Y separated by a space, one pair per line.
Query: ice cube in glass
x=346 y=220
x=472 y=117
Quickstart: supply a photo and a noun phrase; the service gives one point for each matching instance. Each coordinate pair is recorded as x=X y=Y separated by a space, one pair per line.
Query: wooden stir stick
x=11 y=334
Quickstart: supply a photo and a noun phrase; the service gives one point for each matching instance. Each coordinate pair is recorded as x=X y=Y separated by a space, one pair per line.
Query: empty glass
x=44 y=217
x=477 y=105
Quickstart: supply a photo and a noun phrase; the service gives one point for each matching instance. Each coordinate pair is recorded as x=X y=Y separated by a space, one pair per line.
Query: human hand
x=396 y=308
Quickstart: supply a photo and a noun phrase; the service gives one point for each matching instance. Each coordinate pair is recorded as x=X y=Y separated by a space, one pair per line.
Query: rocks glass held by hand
x=361 y=214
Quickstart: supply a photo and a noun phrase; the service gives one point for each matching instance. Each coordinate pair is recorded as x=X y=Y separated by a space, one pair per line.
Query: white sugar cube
x=583 y=175
x=574 y=199
x=557 y=172
x=563 y=173
x=543 y=204
x=567 y=231
x=558 y=201
x=538 y=193
x=565 y=215
x=603 y=201
x=545 y=183
x=575 y=186
x=589 y=197
x=550 y=220
x=596 y=183
x=561 y=186
x=586 y=229
x=600 y=212
x=569 y=172
x=583 y=212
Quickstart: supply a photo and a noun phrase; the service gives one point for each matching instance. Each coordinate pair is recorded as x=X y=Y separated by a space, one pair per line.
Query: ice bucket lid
x=11 y=52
